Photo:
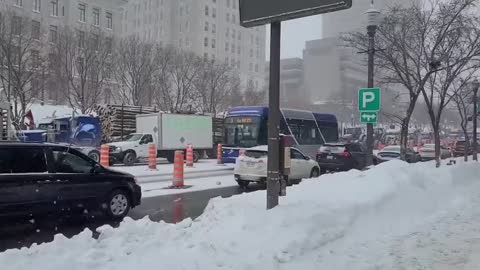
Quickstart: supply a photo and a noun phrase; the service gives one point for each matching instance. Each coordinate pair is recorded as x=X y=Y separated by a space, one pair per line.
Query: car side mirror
x=307 y=157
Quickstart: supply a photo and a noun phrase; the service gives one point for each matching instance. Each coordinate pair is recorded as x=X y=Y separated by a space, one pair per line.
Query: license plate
x=250 y=164
x=329 y=157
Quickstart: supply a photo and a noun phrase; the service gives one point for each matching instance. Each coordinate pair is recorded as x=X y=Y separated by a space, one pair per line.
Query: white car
x=252 y=166
x=427 y=152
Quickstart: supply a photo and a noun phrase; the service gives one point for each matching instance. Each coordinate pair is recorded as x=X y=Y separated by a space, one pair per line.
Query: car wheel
x=95 y=155
x=315 y=173
x=118 y=204
x=323 y=171
x=243 y=183
x=129 y=158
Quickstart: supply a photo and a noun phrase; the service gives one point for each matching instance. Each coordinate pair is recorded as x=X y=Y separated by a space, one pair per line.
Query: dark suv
x=342 y=157
x=45 y=179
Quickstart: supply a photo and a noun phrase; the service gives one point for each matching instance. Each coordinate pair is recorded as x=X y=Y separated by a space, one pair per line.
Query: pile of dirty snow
x=339 y=221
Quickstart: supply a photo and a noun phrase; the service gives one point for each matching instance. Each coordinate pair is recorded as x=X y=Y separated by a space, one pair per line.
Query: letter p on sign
x=369 y=99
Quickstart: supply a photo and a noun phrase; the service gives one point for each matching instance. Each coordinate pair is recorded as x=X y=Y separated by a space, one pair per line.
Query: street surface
x=169 y=208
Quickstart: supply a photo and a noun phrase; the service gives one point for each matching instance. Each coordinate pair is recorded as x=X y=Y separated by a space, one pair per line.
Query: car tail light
x=345 y=154
x=241 y=152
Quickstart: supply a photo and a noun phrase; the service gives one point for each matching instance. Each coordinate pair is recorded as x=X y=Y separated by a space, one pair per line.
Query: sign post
x=273 y=12
x=369 y=100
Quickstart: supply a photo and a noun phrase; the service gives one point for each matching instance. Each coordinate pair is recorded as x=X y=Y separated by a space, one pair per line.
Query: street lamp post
x=476 y=85
x=372 y=24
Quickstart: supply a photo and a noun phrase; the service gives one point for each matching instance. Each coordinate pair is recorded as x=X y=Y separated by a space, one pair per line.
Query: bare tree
x=184 y=70
x=462 y=98
x=135 y=69
x=253 y=96
x=20 y=46
x=408 y=42
x=85 y=61
x=214 y=85
x=459 y=33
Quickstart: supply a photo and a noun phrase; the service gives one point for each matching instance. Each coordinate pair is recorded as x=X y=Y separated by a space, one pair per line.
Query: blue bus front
x=245 y=127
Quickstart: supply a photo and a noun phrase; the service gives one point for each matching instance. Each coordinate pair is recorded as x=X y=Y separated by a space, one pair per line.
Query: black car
x=342 y=157
x=46 y=179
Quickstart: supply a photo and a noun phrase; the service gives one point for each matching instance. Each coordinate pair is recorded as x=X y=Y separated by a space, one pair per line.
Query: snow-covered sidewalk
x=394 y=216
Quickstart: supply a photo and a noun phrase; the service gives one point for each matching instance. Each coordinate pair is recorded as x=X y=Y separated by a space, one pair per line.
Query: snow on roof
x=46 y=113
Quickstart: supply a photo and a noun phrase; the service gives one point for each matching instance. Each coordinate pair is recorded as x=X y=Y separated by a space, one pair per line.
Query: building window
x=109 y=17
x=234 y=19
x=233 y=48
x=19 y=3
x=227 y=32
x=109 y=44
x=36 y=5
x=53 y=34
x=95 y=41
x=234 y=4
x=251 y=52
x=228 y=17
x=206 y=10
x=205 y=42
x=239 y=35
x=238 y=64
x=228 y=3
x=250 y=67
x=36 y=30
x=16 y=25
x=206 y=26
x=54 y=8
x=205 y=56
x=214 y=12
x=233 y=33
x=256 y=67
x=81 y=12
x=35 y=58
x=226 y=46
x=214 y=1
x=96 y=16
x=214 y=28
x=213 y=43
x=81 y=39
x=238 y=50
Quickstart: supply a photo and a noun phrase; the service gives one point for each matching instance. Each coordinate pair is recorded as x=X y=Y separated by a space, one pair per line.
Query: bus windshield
x=242 y=131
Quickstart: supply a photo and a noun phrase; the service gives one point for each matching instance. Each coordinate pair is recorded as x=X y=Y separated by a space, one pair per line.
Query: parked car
x=427 y=152
x=342 y=157
x=252 y=166
x=47 y=179
x=393 y=152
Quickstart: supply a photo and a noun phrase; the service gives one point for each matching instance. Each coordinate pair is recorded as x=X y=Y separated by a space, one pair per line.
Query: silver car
x=427 y=152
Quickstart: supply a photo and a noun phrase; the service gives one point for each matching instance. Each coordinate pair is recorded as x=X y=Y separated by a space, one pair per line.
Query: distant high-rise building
x=209 y=28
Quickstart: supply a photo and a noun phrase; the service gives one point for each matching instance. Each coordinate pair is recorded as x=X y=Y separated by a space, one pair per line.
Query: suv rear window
x=23 y=160
x=335 y=149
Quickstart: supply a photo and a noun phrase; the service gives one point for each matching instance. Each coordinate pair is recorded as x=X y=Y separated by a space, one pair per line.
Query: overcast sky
x=294 y=35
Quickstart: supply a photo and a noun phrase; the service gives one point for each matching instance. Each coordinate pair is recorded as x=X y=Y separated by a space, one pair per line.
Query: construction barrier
x=178 y=169
x=189 y=162
x=152 y=156
x=178 y=211
x=105 y=155
x=219 y=154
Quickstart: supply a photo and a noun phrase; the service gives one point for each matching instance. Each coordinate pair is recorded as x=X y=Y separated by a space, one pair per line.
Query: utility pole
x=372 y=19
x=476 y=85
x=273 y=174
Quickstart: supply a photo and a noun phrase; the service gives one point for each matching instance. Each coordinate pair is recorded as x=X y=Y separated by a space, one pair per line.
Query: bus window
x=330 y=133
x=305 y=131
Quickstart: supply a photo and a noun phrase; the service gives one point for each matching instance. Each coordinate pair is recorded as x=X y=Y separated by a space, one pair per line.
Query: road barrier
x=152 y=156
x=178 y=169
x=189 y=155
x=105 y=155
x=219 y=154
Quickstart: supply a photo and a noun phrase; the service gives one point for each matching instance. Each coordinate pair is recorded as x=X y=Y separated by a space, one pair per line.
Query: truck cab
x=131 y=149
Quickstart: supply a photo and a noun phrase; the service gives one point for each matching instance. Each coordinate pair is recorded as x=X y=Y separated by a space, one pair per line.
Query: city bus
x=246 y=127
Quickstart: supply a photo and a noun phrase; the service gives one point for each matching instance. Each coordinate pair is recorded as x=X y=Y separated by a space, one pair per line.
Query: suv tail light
x=346 y=154
x=241 y=152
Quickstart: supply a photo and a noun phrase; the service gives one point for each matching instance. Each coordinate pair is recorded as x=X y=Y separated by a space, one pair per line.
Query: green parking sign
x=369 y=99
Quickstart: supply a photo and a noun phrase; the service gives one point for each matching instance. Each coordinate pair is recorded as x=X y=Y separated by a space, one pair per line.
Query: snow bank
x=339 y=221
x=46 y=113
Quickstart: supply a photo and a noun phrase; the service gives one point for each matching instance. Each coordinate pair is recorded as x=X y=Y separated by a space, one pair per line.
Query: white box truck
x=169 y=132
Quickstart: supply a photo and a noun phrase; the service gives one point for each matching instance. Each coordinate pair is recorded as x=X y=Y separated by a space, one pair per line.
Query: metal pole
x=475 y=104
x=273 y=176
x=371 y=29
